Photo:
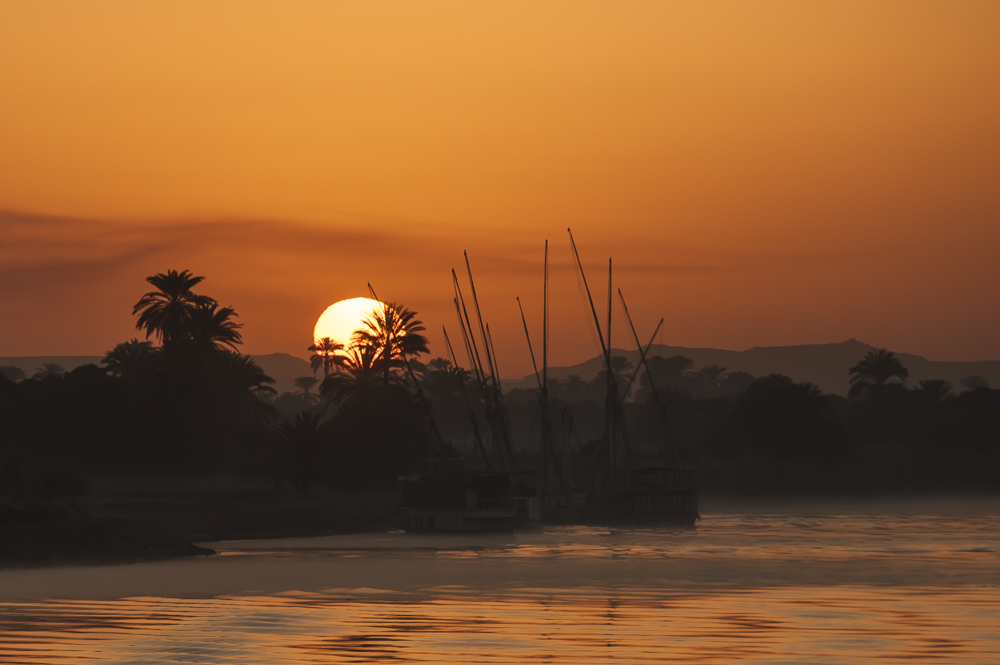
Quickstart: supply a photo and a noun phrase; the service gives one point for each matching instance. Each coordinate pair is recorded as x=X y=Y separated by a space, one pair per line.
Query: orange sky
x=763 y=173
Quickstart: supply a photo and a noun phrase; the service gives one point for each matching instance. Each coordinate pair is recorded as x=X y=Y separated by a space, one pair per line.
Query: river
x=849 y=587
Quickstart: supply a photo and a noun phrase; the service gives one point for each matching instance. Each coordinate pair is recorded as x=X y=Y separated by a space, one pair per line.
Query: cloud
x=68 y=285
x=41 y=251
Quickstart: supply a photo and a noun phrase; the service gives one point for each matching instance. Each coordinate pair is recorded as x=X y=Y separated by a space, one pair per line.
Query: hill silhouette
x=282 y=367
x=824 y=365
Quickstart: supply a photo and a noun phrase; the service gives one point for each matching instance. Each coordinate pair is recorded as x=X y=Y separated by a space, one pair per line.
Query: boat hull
x=444 y=520
x=647 y=496
x=457 y=501
x=644 y=508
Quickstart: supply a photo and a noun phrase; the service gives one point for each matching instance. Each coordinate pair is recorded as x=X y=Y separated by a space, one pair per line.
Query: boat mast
x=668 y=441
x=611 y=405
x=612 y=386
x=547 y=447
x=468 y=401
x=547 y=436
x=490 y=383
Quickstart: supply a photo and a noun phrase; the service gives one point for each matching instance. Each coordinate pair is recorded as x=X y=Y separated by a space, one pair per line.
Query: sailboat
x=620 y=490
x=448 y=496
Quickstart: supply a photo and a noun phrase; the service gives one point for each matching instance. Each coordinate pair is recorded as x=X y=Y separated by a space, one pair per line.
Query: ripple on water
x=585 y=625
x=716 y=612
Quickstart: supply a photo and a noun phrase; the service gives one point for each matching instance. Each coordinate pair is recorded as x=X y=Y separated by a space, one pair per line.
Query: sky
x=762 y=174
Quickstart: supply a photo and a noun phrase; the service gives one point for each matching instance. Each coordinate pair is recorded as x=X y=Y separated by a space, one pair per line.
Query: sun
x=342 y=318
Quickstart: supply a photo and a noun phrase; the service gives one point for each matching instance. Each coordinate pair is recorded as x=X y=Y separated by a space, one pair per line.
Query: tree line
x=184 y=400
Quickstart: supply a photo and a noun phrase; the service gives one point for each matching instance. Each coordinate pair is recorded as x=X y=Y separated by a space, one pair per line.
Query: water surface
x=737 y=589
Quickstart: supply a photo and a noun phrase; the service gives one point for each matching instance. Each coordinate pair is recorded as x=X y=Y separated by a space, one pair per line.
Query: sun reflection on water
x=586 y=625
x=717 y=612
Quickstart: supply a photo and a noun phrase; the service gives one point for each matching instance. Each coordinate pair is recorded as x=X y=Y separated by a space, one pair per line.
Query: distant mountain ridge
x=824 y=365
x=282 y=367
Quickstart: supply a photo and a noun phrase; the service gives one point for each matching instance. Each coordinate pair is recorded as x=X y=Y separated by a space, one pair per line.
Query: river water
x=739 y=588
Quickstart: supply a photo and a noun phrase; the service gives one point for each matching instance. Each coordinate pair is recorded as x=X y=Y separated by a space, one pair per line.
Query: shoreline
x=123 y=529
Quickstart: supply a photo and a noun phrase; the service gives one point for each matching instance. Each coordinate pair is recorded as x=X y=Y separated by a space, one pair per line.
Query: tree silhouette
x=735 y=383
x=935 y=391
x=303 y=441
x=620 y=365
x=444 y=382
x=871 y=375
x=358 y=378
x=13 y=372
x=777 y=418
x=392 y=332
x=49 y=370
x=325 y=355
x=241 y=385
x=167 y=311
x=968 y=382
x=211 y=328
x=709 y=378
x=439 y=364
x=673 y=373
x=306 y=383
x=574 y=389
x=129 y=359
x=243 y=372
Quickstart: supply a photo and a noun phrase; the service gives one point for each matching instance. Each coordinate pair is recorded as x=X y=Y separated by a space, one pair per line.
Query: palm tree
x=673 y=373
x=870 y=376
x=325 y=355
x=167 y=311
x=243 y=372
x=439 y=364
x=444 y=381
x=13 y=372
x=242 y=383
x=302 y=441
x=358 y=378
x=49 y=370
x=393 y=331
x=211 y=328
x=968 y=382
x=306 y=383
x=935 y=391
x=129 y=358
x=575 y=388
x=619 y=366
x=710 y=378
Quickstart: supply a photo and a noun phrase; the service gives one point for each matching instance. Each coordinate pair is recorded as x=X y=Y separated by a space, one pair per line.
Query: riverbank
x=37 y=533
x=151 y=519
x=155 y=521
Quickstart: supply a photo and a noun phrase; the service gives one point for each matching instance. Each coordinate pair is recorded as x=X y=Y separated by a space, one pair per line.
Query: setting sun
x=342 y=318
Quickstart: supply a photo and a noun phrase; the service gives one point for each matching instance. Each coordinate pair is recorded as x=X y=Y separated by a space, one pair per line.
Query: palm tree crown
x=325 y=355
x=393 y=332
x=48 y=370
x=874 y=371
x=167 y=311
x=244 y=373
x=211 y=327
x=128 y=358
x=13 y=372
x=307 y=383
x=935 y=391
x=360 y=376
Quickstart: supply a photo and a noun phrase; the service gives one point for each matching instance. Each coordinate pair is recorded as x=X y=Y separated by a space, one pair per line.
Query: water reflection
x=740 y=589
x=637 y=625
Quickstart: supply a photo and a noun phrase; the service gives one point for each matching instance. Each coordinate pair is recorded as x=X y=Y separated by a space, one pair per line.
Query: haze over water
x=739 y=588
